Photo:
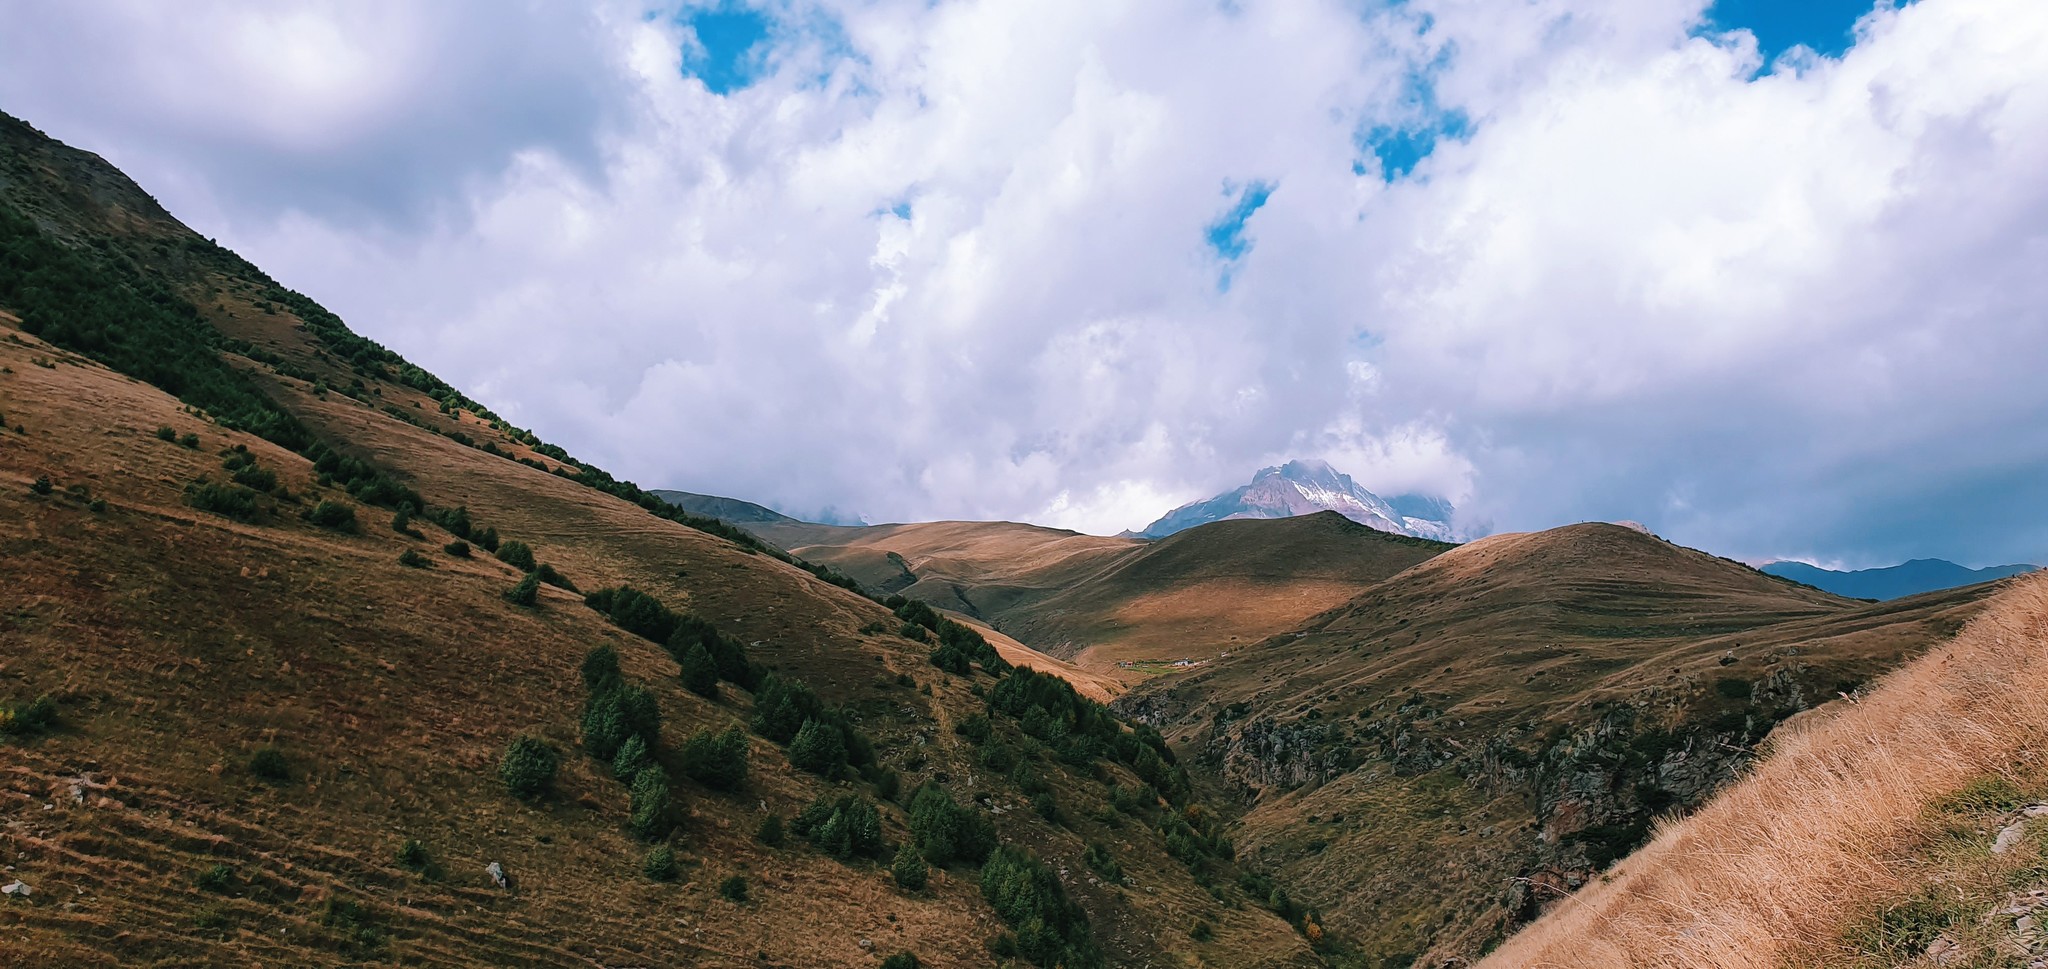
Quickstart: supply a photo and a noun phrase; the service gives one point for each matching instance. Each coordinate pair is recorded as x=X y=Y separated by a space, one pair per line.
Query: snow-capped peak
x=1303 y=487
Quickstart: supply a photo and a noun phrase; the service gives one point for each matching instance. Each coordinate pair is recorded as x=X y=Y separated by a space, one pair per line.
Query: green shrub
x=219 y=879
x=518 y=555
x=546 y=573
x=974 y=727
x=1097 y=856
x=401 y=521
x=902 y=960
x=227 y=500
x=819 y=748
x=189 y=441
x=911 y=630
x=601 y=670
x=33 y=717
x=844 y=827
x=660 y=864
x=166 y=433
x=909 y=869
x=413 y=855
x=700 y=671
x=632 y=610
x=945 y=832
x=526 y=593
x=653 y=817
x=97 y=505
x=528 y=767
x=769 y=831
x=414 y=560
x=486 y=539
x=734 y=889
x=270 y=764
x=1202 y=932
x=717 y=761
x=255 y=478
x=631 y=759
x=1047 y=808
x=333 y=515
x=457 y=548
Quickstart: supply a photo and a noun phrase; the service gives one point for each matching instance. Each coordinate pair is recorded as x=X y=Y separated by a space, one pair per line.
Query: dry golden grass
x=1097 y=601
x=1773 y=869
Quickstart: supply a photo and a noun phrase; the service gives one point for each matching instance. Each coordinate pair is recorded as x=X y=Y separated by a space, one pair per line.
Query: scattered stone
x=1943 y=950
x=16 y=887
x=2010 y=834
x=1728 y=658
x=867 y=945
x=497 y=873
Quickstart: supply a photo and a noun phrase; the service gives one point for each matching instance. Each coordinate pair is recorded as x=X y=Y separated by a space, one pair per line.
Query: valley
x=308 y=658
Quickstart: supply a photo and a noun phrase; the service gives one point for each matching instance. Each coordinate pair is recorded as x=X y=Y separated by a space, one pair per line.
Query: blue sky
x=731 y=37
x=1079 y=263
x=1823 y=25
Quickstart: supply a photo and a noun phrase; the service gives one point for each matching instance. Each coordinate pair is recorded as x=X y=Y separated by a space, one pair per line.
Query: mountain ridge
x=1896 y=581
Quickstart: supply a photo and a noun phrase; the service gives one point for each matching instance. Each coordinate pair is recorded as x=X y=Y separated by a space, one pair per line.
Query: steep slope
x=1905 y=829
x=1118 y=606
x=1433 y=762
x=234 y=573
x=731 y=510
x=1893 y=582
x=1307 y=487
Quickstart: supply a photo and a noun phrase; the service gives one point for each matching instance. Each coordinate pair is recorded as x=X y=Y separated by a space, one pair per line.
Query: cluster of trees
x=847 y=826
x=1046 y=927
x=959 y=645
x=946 y=833
x=622 y=728
x=705 y=654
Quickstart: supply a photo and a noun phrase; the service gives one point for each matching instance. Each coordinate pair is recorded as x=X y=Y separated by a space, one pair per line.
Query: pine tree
x=909 y=869
x=700 y=671
x=653 y=817
x=818 y=747
x=631 y=758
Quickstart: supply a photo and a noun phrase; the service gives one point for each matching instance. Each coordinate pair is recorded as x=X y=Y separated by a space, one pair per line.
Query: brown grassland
x=175 y=643
x=1861 y=839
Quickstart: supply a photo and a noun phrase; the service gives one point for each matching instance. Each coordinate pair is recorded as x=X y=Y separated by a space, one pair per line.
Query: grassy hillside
x=1104 y=602
x=1447 y=754
x=261 y=675
x=1907 y=828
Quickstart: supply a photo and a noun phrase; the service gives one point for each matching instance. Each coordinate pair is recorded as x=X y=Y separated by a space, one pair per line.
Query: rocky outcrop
x=1263 y=754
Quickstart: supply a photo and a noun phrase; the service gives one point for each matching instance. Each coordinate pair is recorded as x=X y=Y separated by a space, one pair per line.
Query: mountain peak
x=1305 y=486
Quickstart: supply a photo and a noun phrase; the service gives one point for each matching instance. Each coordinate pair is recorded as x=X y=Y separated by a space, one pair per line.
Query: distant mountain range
x=1911 y=578
x=1306 y=487
x=730 y=510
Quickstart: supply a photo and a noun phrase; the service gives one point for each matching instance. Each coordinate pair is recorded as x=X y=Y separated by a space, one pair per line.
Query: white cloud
x=1805 y=300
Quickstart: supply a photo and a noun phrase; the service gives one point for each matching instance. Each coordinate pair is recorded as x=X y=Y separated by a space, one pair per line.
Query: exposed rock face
x=1264 y=754
x=1593 y=791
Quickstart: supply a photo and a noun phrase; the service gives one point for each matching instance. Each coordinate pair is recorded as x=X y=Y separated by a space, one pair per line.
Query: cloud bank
x=1080 y=262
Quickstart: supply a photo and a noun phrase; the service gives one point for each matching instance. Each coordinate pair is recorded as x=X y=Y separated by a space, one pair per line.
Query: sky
x=1763 y=276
